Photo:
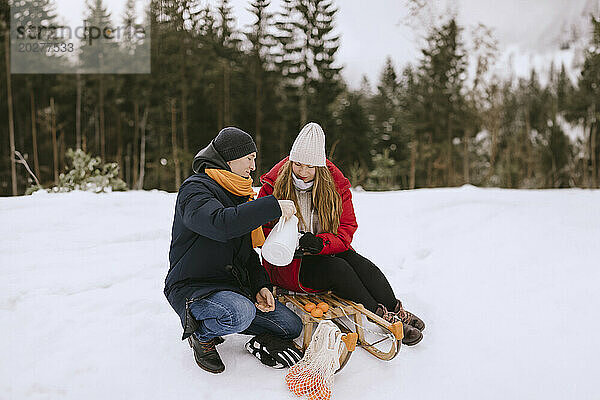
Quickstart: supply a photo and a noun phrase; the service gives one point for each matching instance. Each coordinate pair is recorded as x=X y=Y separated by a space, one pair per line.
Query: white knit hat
x=309 y=147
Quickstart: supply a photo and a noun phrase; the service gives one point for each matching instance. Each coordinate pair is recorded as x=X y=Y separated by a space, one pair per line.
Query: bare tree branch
x=22 y=160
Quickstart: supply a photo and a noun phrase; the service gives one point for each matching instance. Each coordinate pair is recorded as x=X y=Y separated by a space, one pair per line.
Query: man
x=216 y=282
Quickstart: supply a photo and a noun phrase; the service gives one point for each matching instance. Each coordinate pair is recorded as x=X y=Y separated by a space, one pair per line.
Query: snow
x=505 y=280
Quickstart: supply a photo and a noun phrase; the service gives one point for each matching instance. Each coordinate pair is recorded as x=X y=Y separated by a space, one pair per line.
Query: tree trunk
x=528 y=151
x=78 y=114
x=282 y=136
x=54 y=141
x=161 y=146
x=174 y=146
x=102 y=133
x=593 y=154
x=62 y=150
x=258 y=126
x=226 y=95
x=184 y=95
x=466 y=165
x=11 y=127
x=413 y=163
x=119 y=146
x=184 y=128
x=136 y=127
x=128 y=163
x=219 y=89
x=429 y=177
x=555 y=182
x=143 y=149
x=494 y=150
x=303 y=104
x=97 y=128
x=36 y=163
x=450 y=164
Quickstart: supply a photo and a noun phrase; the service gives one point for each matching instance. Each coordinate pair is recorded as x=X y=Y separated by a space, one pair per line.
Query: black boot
x=218 y=340
x=206 y=355
x=407 y=317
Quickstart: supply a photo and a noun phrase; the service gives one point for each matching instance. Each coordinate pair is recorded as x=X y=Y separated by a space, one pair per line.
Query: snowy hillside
x=507 y=282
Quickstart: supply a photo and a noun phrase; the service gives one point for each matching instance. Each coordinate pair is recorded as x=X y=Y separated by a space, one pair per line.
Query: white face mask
x=300 y=184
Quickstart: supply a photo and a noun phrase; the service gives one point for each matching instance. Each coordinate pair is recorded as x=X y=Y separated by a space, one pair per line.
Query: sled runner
x=384 y=343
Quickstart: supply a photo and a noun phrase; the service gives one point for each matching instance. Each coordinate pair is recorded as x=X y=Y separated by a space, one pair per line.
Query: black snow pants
x=349 y=275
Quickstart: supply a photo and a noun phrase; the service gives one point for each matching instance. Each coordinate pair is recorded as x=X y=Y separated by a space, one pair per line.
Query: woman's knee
x=340 y=272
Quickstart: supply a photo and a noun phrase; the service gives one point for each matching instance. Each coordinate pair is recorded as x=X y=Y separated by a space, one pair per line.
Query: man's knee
x=241 y=313
x=295 y=326
x=290 y=324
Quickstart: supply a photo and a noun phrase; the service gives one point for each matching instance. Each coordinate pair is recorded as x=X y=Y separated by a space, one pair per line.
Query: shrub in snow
x=384 y=173
x=89 y=174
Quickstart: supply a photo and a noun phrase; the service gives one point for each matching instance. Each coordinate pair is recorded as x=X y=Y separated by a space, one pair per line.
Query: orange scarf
x=240 y=187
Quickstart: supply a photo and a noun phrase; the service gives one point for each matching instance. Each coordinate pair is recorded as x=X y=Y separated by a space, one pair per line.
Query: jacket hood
x=209 y=157
x=342 y=183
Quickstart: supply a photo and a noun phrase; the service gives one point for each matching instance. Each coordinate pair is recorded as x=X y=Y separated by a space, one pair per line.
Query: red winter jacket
x=287 y=277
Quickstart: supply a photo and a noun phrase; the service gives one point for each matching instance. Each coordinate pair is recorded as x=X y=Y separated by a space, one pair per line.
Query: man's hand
x=287 y=208
x=264 y=300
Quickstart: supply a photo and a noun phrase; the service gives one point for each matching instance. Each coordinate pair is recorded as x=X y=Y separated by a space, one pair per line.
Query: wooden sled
x=338 y=310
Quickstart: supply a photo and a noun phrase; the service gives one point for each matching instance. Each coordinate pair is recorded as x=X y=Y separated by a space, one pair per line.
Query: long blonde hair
x=325 y=197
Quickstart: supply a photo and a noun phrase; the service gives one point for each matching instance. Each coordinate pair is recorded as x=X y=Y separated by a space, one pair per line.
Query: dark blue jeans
x=227 y=312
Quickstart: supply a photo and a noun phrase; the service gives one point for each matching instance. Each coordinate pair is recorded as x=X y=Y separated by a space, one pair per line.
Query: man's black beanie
x=233 y=143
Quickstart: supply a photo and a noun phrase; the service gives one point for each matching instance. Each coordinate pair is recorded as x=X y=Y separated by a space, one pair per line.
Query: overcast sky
x=373 y=30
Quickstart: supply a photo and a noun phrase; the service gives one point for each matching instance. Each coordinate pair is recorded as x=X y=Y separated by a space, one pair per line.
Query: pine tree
x=586 y=107
x=350 y=116
x=391 y=135
x=262 y=43
x=95 y=53
x=306 y=59
x=555 y=145
x=228 y=53
x=442 y=76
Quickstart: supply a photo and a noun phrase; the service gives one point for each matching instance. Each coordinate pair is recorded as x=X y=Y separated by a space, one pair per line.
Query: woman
x=326 y=260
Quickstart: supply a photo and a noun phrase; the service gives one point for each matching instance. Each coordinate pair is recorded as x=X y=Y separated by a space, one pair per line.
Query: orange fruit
x=325 y=393
x=317 y=313
x=314 y=396
x=297 y=387
x=309 y=306
x=323 y=306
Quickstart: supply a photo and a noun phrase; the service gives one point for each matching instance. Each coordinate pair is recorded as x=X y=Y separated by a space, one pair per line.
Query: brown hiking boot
x=407 y=317
x=389 y=316
x=206 y=355
x=412 y=335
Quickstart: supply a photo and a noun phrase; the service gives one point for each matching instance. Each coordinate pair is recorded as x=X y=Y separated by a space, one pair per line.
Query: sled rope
x=385 y=335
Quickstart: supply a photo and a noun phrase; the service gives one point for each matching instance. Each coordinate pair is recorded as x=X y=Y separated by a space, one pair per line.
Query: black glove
x=311 y=243
x=274 y=351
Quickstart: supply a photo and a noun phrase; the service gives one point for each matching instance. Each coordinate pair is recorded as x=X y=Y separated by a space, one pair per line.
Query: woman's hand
x=311 y=243
x=264 y=300
x=287 y=208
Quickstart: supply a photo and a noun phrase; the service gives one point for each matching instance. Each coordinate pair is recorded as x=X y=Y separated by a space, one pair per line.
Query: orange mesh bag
x=312 y=376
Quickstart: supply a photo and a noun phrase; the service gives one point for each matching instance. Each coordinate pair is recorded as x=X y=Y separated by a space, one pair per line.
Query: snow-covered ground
x=507 y=282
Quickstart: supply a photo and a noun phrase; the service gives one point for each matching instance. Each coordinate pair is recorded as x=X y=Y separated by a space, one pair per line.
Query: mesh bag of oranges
x=312 y=376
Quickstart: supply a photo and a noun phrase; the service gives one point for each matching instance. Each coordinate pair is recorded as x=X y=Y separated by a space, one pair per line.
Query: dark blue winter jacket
x=211 y=247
